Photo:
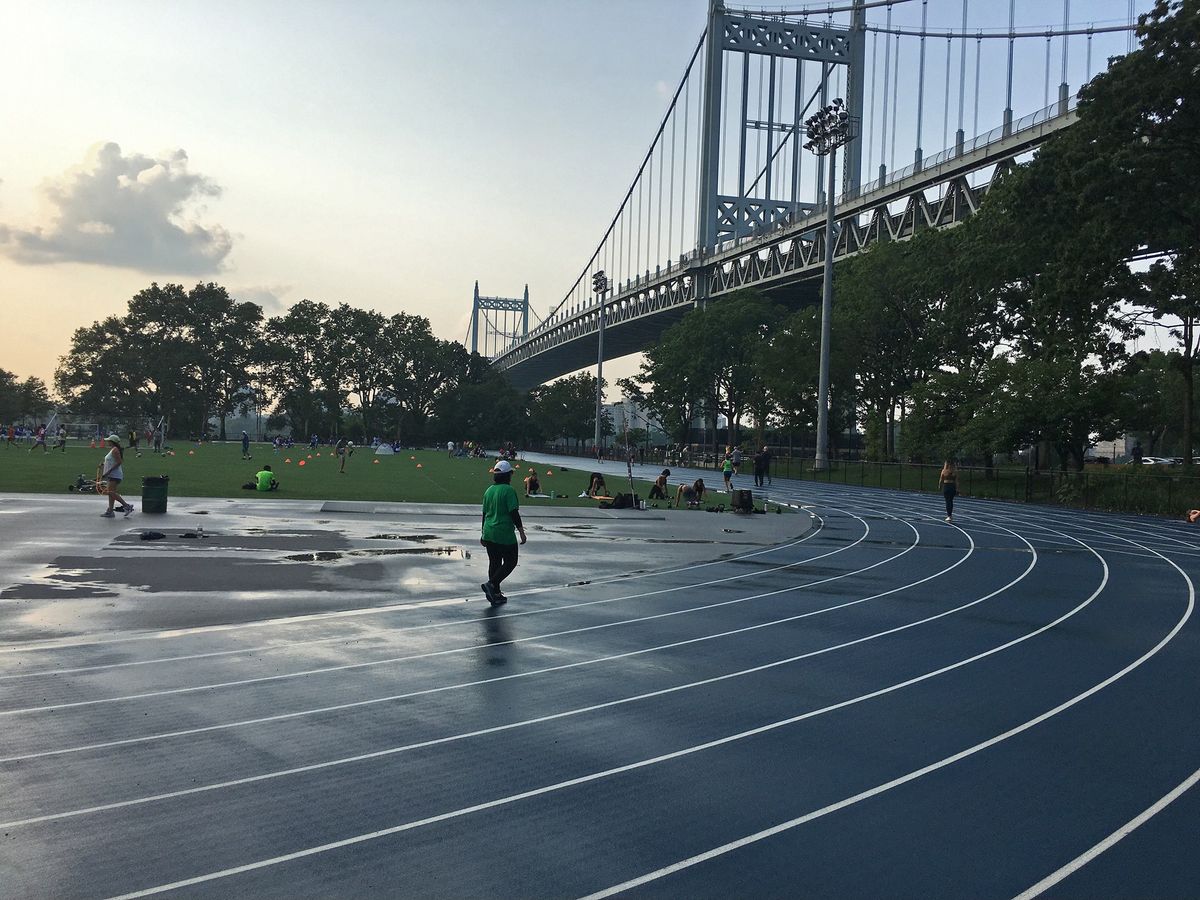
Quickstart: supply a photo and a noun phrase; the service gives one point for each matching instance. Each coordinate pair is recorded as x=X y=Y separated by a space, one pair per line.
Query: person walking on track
x=948 y=482
x=111 y=470
x=501 y=525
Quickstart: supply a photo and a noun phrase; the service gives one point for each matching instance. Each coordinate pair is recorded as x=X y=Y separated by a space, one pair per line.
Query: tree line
x=199 y=355
x=1013 y=329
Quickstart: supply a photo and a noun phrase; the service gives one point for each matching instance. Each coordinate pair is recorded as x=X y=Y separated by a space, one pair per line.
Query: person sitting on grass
x=692 y=493
x=263 y=481
x=532 y=485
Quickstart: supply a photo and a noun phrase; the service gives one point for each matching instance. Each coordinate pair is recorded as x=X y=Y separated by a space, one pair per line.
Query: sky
x=382 y=154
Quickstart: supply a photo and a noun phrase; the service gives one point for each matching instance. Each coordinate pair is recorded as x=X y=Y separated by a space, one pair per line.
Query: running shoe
x=108 y=515
x=127 y=509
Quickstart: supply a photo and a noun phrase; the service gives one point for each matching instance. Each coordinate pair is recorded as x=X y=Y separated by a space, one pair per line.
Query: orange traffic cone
x=419 y=466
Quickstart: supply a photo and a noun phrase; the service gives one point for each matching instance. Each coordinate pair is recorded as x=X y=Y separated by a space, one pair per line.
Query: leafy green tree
x=303 y=368
x=22 y=399
x=1130 y=164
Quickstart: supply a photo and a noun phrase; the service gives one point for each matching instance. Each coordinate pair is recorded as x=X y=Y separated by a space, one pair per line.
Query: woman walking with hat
x=111 y=471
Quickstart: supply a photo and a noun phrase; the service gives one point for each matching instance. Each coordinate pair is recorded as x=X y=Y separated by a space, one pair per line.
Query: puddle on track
x=331 y=556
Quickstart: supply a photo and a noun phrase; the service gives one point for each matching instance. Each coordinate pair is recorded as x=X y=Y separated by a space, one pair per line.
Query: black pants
x=502 y=559
x=948 y=493
x=760 y=477
x=657 y=493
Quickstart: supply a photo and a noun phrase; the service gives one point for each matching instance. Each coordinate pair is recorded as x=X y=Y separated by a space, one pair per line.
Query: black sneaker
x=489 y=592
x=500 y=599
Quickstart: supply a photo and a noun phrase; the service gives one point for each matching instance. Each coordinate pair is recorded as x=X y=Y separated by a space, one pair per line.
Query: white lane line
x=568 y=713
x=607 y=773
x=321 y=670
x=933 y=767
x=279 y=717
x=69 y=644
x=1113 y=839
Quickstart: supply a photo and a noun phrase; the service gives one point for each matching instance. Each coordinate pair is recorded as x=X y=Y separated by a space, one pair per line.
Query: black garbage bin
x=154 y=494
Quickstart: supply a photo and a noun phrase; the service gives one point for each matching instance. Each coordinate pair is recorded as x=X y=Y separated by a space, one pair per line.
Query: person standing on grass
x=948 y=482
x=501 y=525
x=111 y=470
x=245 y=446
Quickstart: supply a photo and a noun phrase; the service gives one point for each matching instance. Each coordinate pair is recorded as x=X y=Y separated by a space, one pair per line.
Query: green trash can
x=154 y=494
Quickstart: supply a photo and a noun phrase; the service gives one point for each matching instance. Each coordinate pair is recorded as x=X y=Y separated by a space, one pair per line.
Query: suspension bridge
x=726 y=197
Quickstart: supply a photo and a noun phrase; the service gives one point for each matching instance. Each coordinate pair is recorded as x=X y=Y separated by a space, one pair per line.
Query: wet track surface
x=886 y=705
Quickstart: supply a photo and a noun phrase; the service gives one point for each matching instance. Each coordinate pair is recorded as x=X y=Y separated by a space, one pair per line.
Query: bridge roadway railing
x=792 y=251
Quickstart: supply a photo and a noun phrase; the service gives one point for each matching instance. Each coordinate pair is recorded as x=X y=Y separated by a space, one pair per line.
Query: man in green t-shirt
x=501 y=524
x=266 y=480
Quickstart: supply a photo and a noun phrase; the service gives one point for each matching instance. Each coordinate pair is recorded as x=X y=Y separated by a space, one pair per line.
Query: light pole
x=600 y=287
x=826 y=130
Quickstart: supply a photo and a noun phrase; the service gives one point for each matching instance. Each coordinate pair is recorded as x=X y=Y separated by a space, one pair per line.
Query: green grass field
x=217 y=470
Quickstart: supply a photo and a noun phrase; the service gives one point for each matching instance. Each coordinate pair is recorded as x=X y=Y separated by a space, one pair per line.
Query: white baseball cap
x=503 y=467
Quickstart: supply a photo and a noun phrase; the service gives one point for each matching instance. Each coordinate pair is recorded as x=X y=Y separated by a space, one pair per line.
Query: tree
x=1131 y=160
x=21 y=399
x=304 y=368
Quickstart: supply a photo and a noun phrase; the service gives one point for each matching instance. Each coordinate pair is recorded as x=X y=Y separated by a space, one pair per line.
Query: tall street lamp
x=829 y=128
x=600 y=287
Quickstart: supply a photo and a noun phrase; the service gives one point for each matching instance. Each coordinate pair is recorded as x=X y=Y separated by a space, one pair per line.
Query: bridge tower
x=512 y=314
x=732 y=210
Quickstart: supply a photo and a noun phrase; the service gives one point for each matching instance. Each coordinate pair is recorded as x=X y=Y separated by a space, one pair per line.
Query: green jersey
x=264 y=480
x=499 y=501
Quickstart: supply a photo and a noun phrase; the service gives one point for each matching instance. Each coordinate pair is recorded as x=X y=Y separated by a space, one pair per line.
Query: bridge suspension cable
x=636 y=180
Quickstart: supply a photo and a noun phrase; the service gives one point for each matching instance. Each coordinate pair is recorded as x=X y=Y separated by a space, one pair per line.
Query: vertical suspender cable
x=1046 y=91
x=871 y=102
x=724 y=129
x=650 y=260
x=621 y=252
x=687 y=104
x=799 y=159
x=637 y=253
x=658 y=247
x=1088 y=64
x=887 y=75
x=1066 y=39
x=699 y=140
x=742 y=126
x=895 y=103
x=946 y=99
x=770 y=124
x=758 y=132
x=798 y=83
x=1012 y=18
x=978 y=57
x=962 y=67
x=1129 y=45
x=671 y=196
x=921 y=81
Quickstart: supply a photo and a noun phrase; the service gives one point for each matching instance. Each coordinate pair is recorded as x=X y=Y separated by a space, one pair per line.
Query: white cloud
x=268 y=296
x=125 y=211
